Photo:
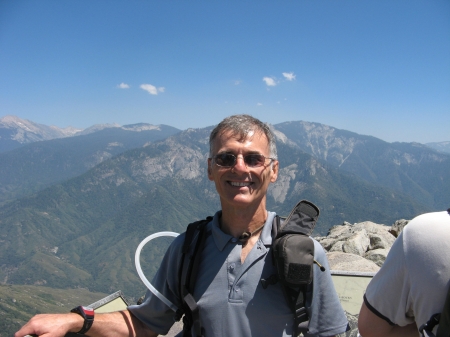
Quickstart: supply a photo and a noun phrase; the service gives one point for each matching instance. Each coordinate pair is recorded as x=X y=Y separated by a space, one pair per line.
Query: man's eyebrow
x=245 y=152
x=225 y=152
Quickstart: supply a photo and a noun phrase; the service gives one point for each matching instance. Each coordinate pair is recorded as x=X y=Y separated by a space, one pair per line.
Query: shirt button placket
x=233 y=270
x=231 y=277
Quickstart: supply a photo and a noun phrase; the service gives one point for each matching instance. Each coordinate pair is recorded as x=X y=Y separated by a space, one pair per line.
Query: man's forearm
x=116 y=324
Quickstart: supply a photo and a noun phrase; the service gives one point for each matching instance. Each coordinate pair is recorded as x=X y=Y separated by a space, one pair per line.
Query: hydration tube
x=141 y=274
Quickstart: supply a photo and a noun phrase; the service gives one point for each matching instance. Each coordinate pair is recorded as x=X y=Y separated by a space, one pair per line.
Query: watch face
x=88 y=311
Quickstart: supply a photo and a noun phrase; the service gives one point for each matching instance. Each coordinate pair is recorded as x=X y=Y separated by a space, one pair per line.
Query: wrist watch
x=88 y=316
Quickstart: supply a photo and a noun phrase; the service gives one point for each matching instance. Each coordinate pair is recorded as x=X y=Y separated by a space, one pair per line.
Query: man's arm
x=370 y=325
x=116 y=324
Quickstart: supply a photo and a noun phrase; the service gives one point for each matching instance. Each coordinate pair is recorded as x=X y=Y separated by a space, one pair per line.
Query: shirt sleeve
x=387 y=294
x=153 y=312
x=327 y=317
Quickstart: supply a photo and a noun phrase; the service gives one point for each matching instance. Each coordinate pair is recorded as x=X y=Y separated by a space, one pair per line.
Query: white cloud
x=237 y=82
x=259 y=104
x=151 y=89
x=270 y=81
x=123 y=86
x=289 y=76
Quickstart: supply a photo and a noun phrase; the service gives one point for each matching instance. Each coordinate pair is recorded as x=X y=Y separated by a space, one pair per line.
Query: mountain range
x=74 y=208
x=33 y=166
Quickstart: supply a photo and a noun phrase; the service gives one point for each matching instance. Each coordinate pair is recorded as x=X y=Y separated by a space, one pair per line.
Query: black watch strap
x=88 y=316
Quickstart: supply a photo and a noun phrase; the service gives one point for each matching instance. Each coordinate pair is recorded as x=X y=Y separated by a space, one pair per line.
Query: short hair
x=241 y=126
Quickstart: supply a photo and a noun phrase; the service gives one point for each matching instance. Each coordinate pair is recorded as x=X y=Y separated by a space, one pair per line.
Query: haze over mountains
x=36 y=165
x=15 y=132
x=74 y=209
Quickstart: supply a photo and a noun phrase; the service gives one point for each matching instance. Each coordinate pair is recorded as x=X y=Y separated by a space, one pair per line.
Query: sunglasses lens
x=229 y=160
x=225 y=159
x=254 y=160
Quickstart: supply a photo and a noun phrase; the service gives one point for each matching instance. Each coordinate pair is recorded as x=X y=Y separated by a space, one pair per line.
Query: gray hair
x=241 y=126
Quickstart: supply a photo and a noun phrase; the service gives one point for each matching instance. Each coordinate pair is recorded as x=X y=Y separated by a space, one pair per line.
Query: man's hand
x=51 y=325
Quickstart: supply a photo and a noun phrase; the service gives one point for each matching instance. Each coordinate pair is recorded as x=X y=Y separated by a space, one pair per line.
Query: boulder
x=337 y=247
x=397 y=227
x=340 y=231
x=381 y=240
x=361 y=247
x=327 y=243
x=357 y=243
x=350 y=262
x=378 y=256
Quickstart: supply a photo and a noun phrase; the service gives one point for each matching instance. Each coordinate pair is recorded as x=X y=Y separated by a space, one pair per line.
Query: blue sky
x=379 y=68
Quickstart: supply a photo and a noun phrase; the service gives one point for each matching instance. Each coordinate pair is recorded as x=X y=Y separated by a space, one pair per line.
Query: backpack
x=293 y=256
x=443 y=319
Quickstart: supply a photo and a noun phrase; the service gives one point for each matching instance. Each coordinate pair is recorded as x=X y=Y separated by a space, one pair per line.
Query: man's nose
x=240 y=164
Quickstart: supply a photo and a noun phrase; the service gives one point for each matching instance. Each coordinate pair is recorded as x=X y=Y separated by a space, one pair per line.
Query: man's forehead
x=251 y=136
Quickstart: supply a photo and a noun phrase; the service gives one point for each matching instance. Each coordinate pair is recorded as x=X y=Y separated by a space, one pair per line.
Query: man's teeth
x=240 y=184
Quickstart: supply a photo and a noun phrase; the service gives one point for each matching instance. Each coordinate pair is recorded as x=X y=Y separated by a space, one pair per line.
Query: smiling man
x=242 y=164
x=235 y=257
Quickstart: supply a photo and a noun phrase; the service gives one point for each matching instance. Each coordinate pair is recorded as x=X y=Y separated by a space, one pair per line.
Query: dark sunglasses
x=229 y=160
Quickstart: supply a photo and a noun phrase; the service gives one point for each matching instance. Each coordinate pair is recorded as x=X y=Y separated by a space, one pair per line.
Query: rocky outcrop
x=361 y=247
x=397 y=227
x=350 y=262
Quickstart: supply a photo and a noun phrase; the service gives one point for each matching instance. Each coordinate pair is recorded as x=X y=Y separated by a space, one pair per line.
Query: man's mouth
x=240 y=183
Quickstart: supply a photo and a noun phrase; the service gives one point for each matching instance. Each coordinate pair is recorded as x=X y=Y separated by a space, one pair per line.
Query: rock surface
x=361 y=247
x=350 y=262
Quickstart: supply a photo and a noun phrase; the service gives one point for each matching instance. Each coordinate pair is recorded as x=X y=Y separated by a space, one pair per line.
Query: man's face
x=242 y=186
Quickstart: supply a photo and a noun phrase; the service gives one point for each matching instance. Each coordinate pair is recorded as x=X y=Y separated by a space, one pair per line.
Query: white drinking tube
x=141 y=274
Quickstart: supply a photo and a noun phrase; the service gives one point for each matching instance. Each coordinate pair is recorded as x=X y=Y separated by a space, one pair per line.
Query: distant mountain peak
x=443 y=147
x=18 y=131
x=98 y=127
x=141 y=127
x=130 y=127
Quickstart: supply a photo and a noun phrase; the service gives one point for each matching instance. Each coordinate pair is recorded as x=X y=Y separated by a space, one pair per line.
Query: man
x=232 y=302
x=412 y=284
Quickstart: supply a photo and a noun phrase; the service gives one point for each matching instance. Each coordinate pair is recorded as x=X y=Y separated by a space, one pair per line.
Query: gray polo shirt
x=230 y=296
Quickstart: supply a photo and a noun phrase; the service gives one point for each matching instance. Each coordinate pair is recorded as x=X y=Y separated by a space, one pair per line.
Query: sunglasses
x=250 y=160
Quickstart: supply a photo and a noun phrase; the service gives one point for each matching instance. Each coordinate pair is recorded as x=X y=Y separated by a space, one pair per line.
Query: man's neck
x=237 y=221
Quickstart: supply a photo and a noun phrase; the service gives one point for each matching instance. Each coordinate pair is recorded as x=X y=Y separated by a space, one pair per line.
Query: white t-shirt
x=412 y=283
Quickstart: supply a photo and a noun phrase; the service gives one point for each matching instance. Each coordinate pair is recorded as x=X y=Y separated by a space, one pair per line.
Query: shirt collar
x=221 y=239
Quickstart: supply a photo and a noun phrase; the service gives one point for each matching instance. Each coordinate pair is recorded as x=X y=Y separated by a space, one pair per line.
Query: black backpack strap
x=443 y=319
x=293 y=255
x=426 y=329
x=444 y=322
x=190 y=263
x=276 y=224
x=301 y=220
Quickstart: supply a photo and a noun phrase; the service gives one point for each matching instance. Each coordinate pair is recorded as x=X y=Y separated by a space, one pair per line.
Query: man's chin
x=242 y=201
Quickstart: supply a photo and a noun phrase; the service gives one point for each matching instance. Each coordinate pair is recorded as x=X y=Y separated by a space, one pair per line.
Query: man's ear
x=210 y=169
x=274 y=168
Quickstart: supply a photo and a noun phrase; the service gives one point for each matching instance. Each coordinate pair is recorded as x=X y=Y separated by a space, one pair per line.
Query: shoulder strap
x=301 y=220
x=293 y=255
x=444 y=322
x=191 y=255
x=442 y=318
